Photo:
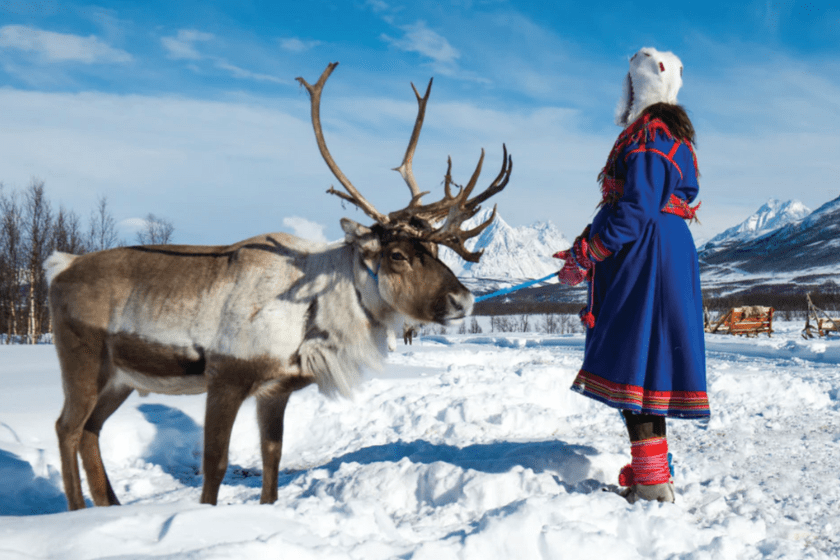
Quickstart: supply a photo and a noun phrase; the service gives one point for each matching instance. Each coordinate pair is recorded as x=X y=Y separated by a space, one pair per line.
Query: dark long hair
x=675 y=118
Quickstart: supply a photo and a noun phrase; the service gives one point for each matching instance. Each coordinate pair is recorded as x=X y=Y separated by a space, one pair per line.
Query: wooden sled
x=748 y=321
x=823 y=323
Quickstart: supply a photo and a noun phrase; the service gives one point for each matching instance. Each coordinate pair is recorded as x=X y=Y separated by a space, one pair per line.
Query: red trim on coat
x=632 y=397
x=612 y=186
x=669 y=156
x=597 y=250
x=679 y=207
x=642 y=131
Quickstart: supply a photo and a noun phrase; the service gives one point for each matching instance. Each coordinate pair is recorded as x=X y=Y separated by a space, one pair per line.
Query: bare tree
x=103 y=229
x=28 y=234
x=11 y=263
x=67 y=233
x=550 y=323
x=156 y=231
x=38 y=233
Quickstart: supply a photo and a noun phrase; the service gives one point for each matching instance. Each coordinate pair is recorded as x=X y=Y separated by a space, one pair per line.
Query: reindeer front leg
x=270 y=410
x=223 y=402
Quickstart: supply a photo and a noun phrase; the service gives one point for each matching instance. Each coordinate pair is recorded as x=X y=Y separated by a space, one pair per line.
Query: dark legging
x=643 y=426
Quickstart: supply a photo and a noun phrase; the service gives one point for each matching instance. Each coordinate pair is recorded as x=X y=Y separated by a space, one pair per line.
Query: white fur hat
x=654 y=77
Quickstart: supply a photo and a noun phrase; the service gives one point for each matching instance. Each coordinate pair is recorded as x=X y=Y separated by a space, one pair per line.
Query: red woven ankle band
x=649 y=465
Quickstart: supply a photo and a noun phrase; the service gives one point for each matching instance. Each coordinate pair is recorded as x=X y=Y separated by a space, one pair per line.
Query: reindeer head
x=402 y=245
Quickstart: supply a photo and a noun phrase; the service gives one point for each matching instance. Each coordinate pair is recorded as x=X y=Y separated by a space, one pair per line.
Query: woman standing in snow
x=645 y=352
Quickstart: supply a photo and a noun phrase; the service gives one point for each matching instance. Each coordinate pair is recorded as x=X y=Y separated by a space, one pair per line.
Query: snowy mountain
x=770 y=217
x=803 y=252
x=782 y=247
x=510 y=253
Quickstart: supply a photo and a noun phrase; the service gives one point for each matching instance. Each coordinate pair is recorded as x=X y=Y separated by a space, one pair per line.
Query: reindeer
x=263 y=317
x=409 y=332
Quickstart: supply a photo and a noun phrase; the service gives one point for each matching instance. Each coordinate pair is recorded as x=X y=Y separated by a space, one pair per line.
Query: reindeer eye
x=397 y=256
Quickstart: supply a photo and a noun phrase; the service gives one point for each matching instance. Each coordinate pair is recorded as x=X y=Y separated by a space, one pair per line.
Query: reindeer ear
x=353 y=230
x=362 y=236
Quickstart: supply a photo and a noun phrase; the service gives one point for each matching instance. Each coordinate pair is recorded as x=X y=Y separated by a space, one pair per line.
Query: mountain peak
x=510 y=253
x=772 y=215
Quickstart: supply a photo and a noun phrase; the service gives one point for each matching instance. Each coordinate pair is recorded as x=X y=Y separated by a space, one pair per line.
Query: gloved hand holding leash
x=579 y=264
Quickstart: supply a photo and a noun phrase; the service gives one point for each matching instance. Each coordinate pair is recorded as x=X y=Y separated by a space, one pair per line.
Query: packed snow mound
x=510 y=253
x=773 y=215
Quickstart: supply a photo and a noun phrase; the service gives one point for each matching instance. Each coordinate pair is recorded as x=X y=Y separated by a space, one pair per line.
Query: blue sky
x=190 y=110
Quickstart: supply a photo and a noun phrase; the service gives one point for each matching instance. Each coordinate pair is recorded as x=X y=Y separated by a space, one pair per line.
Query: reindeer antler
x=355 y=196
x=405 y=168
x=452 y=210
x=455 y=210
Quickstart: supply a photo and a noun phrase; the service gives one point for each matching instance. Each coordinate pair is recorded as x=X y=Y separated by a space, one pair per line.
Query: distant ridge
x=794 y=256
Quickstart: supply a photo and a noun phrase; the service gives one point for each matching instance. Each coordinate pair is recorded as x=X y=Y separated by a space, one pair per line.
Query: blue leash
x=514 y=288
x=375 y=276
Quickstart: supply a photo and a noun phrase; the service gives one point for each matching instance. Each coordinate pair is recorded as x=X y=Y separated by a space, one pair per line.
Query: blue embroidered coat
x=646 y=350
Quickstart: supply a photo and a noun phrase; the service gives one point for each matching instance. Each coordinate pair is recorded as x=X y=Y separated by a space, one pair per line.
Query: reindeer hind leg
x=69 y=428
x=80 y=396
x=84 y=362
x=108 y=402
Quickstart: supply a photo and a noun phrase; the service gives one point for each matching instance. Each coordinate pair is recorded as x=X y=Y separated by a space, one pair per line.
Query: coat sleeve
x=648 y=173
x=688 y=187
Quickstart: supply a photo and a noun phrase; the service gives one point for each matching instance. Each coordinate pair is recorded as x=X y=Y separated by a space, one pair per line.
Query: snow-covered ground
x=467 y=447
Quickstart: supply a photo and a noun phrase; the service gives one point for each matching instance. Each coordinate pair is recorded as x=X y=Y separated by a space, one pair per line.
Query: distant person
x=645 y=351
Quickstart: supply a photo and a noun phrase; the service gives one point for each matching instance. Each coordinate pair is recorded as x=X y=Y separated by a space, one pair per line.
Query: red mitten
x=578 y=265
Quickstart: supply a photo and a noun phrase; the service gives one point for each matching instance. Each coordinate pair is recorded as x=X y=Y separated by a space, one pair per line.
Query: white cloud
x=305 y=229
x=775 y=13
x=426 y=42
x=377 y=5
x=238 y=72
x=130 y=226
x=182 y=46
x=293 y=44
x=60 y=47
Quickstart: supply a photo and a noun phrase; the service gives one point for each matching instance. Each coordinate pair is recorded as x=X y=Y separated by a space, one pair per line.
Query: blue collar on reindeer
x=371 y=273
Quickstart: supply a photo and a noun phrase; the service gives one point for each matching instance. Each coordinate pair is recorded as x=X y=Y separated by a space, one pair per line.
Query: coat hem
x=675 y=404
